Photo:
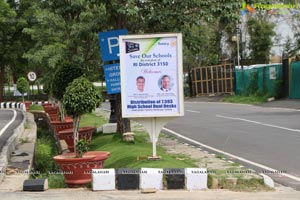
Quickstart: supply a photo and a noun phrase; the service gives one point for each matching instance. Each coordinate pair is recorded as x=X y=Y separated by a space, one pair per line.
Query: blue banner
x=112 y=78
x=109 y=44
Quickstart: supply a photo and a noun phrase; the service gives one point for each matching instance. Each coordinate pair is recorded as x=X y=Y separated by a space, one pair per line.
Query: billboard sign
x=151 y=75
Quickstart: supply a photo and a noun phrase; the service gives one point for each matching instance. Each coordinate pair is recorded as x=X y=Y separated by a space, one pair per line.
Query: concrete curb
x=268 y=181
x=9 y=147
x=13 y=105
x=21 y=157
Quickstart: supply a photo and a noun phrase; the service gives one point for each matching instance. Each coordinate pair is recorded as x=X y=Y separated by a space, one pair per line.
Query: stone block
x=103 y=179
x=128 y=137
x=127 y=179
x=151 y=178
x=35 y=185
x=196 y=178
x=109 y=128
x=268 y=181
x=175 y=178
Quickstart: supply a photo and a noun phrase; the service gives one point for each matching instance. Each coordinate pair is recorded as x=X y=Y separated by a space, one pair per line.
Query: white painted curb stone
x=103 y=179
x=196 y=178
x=151 y=178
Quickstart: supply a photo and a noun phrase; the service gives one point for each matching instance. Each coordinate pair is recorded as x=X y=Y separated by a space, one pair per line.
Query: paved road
x=268 y=136
x=9 y=120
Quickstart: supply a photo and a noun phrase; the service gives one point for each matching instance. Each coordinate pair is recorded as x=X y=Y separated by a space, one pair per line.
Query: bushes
x=278 y=88
x=44 y=152
x=253 y=85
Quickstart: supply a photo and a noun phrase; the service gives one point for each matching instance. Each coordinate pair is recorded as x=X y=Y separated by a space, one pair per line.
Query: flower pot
x=61 y=125
x=68 y=135
x=77 y=171
x=54 y=117
x=52 y=110
x=27 y=104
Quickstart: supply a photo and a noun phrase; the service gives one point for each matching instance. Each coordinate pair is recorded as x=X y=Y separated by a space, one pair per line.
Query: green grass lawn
x=36 y=107
x=135 y=154
x=251 y=99
x=91 y=119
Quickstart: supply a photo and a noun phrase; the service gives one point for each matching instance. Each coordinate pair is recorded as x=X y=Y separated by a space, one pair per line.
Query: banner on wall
x=151 y=75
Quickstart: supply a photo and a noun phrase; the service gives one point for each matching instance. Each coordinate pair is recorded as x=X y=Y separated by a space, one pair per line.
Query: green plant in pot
x=82 y=147
x=63 y=76
x=22 y=86
x=81 y=97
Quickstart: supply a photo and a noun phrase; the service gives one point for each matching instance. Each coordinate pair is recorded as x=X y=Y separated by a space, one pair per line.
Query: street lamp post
x=238 y=45
x=237 y=39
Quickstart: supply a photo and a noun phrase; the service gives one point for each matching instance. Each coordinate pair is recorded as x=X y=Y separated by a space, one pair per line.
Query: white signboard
x=272 y=73
x=151 y=75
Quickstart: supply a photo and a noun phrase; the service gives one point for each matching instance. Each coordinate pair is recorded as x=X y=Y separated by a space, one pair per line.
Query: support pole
x=153 y=125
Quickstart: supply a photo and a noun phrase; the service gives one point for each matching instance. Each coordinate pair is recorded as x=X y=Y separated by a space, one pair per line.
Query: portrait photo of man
x=165 y=83
x=140 y=83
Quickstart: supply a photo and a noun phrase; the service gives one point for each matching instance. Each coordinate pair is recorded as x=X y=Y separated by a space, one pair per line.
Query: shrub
x=278 y=88
x=22 y=86
x=43 y=158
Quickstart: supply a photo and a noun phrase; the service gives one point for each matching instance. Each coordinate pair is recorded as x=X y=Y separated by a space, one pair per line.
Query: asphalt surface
x=264 y=134
x=6 y=116
x=80 y=193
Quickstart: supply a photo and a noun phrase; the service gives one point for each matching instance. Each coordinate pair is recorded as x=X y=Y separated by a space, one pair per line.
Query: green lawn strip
x=252 y=99
x=36 y=107
x=91 y=119
x=122 y=154
x=135 y=154
x=45 y=150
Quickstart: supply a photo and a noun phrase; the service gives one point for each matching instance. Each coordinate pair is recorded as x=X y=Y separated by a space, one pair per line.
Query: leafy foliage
x=22 y=86
x=261 y=33
x=82 y=147
x=63 y=77
x=6 y=33
x=44 y=152
x=66 y=31
x=253 y=85
x=81 y=97
x=278 y=88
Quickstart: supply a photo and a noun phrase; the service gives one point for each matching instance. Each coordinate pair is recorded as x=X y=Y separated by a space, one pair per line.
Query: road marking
x=240 y=104
x=192 y=111
x=260 y=123
x=231 y=155
x=9 y=123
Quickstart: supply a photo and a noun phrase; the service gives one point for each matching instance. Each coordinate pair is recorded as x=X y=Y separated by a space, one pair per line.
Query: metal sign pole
x=153 y=125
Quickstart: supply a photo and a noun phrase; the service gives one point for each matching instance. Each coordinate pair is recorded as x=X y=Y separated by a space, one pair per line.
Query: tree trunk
x=76 y=122
x=1 y=82
x=123 y=124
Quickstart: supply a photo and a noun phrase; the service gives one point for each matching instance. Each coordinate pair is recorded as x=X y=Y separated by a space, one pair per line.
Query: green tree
x=295 y=24
x=7 y=16
x=62 y=78
x=66 y=31
x=81 y=97
x=154 y=16
x=261 y=33
x=22 y=86
x=20 y=42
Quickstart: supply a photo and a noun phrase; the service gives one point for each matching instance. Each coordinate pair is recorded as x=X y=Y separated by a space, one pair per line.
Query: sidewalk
x=74 y=194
